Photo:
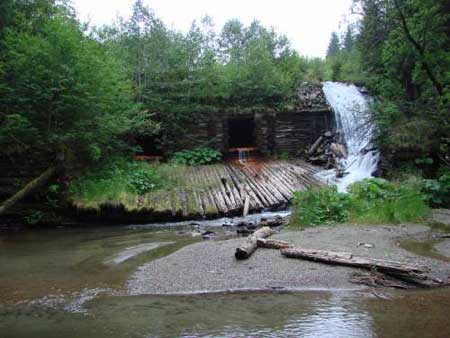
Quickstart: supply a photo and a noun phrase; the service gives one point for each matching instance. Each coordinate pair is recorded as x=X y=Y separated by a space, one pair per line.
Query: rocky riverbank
x=210 y=266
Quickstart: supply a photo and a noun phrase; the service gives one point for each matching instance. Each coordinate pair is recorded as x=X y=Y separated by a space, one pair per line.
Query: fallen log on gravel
x=410 y=273
x=272 y=244
x=375 y=279
x=250 y=244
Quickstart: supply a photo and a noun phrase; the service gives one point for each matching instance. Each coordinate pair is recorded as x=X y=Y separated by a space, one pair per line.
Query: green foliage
x=16 y=128
x=60 y=90
x=321 y=206
x=33 y=217
x=143 y=180
x=381 y=201
x=53 y=196
x=404 y=48
x=92 y=92
x=436 y=191
x=116 y=178
x=375 y=201
x=204 y=70
x=334 y=46
x=197 y=156
x=375 y=189
x=399 y=50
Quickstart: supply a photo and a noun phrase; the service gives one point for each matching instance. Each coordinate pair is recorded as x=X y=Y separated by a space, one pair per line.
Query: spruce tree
x=334 y=45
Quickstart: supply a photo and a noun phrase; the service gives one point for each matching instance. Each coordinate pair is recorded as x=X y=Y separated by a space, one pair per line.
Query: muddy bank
x=210 y=266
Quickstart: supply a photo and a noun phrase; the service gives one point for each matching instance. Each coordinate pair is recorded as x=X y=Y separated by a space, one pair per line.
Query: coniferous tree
x=334 y=45
x=348 y=40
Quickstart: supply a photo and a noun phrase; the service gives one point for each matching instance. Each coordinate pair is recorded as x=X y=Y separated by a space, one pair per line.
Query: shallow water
x=308 y=314
x=68 y=282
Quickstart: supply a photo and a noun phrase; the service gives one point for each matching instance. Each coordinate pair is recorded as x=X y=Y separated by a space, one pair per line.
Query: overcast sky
x=307 y=23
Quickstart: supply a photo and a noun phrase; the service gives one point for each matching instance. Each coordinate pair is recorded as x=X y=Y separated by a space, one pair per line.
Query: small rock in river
x=208 y=234
x=196 y=233
x=244 y=231
x=252 y=226
x=366 y=245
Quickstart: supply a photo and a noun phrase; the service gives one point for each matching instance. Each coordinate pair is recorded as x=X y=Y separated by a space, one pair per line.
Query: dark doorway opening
x=241 y=132
x=150 y=145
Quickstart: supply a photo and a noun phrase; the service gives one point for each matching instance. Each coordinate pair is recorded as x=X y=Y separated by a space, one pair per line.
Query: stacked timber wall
x=292 y=130
x=295 y=132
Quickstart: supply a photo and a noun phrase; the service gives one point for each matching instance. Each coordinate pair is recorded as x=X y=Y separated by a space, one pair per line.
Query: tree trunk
x=27 y=189
x=399 y=270
x=250 y=244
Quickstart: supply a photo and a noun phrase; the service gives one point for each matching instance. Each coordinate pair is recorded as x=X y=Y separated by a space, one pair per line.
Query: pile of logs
x=406 y=274
x=328 y=150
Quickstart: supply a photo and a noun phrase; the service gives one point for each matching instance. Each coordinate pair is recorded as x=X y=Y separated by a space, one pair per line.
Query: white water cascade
x=350 y=109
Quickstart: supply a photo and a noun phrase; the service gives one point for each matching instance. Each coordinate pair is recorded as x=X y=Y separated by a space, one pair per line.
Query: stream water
x=71 y=282
x=350 y=110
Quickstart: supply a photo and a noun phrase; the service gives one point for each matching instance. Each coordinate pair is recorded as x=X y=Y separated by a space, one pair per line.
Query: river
x=70 y=282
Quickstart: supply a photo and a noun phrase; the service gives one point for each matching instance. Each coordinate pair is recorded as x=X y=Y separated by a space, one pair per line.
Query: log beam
x=250 y=244
x=27 y=189
x=393 y=268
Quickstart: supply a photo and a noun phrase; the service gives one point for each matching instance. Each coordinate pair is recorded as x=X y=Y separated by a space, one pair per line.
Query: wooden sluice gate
x=222 y=189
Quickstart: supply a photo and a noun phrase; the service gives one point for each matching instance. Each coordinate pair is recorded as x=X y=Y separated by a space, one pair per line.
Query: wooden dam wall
x=213 y=190
x=291 y=130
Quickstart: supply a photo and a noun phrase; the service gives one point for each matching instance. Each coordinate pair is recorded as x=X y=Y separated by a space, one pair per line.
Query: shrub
x=143 y=180
x=321 y=206
x=437 y=191
x=370 y=201
x=380 y=201
x=119 y=176
x=197 y=156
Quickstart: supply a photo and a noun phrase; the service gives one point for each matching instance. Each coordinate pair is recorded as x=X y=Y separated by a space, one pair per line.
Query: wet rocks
x=328 y=150
x=208 y=234
x=246 y=228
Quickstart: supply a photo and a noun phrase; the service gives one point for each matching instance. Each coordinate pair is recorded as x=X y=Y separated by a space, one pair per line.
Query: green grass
x=374 y=201
x=123 y=182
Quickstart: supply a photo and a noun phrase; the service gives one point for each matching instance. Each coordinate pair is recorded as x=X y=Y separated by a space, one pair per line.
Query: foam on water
x=350 y=109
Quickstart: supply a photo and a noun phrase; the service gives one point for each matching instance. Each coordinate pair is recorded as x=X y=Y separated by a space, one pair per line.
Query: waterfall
x=243 y=155
x=350 y=109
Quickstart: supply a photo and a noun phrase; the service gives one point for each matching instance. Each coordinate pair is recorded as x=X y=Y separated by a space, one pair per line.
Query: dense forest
x=66 y=86
x=84 y=95
x=400 y=51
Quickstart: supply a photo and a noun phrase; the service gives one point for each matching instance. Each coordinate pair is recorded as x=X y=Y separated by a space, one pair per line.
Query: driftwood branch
x=27 y=189
x=250 y=244
x=272 y=244
x=403 y=271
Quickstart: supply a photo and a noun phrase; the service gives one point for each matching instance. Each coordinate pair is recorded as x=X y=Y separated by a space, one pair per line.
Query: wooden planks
x=225 y=188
